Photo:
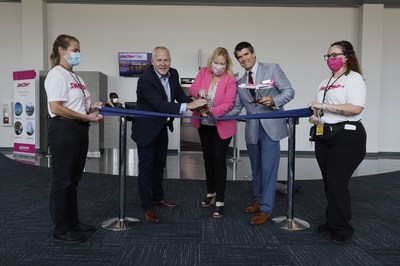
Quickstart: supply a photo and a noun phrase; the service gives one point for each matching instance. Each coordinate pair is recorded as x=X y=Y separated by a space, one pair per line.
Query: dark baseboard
x=299 y=154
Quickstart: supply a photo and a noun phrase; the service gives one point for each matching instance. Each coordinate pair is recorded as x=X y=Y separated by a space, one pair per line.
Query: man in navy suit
x=262 y=135
x=158 y=90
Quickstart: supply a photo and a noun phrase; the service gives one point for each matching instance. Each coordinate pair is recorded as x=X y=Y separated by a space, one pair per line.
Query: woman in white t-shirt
x=339 y=102
x=70 y=113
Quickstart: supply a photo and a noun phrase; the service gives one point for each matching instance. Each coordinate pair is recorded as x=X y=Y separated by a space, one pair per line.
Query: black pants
x=338 y=158
x=68 y=141
x=214 y=155
x=152 y=161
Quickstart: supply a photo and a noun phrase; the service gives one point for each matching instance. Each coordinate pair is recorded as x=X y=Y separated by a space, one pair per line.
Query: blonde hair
x=63 y=41
x=221 y=51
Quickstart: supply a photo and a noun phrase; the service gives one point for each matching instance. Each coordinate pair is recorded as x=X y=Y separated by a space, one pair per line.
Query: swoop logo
x=133 y=56
x=23 y=84
x=24 y=148
x=77 y=86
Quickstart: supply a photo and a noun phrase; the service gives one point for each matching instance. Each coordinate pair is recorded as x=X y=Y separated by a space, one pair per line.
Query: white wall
x=10 y=59
x=294 y=37
x=390 y=93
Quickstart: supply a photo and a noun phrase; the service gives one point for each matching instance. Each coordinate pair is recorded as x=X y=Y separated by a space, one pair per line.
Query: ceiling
x=322 y=3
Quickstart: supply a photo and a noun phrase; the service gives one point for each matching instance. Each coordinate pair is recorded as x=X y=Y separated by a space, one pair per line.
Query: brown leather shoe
x=253 y=208
x=260 y=218
x=151 y=217
x=165 y=203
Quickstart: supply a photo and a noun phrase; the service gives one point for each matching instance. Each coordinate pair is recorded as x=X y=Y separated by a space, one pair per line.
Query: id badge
x=320 y=130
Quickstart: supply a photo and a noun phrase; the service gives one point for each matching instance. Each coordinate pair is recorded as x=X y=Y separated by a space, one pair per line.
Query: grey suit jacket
x=282 y=93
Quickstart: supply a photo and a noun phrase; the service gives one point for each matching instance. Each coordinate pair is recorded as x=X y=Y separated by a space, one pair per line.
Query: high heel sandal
x=208 y=201
x=219 y=209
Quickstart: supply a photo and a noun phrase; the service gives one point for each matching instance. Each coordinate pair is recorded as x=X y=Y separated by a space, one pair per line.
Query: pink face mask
x=218 y=69
x=335 y=64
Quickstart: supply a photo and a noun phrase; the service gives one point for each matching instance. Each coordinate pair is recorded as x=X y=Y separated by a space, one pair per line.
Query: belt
x=344 y=122
x=84 y=123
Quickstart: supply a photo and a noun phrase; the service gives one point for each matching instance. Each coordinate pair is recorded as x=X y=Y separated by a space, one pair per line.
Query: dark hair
x=348 y=51
x=62 y=41
x=240 y=46
x=113 y=95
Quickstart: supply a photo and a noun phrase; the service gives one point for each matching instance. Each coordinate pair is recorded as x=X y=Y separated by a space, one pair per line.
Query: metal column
x=289 y=222
x=236 y=154
x=121 y=222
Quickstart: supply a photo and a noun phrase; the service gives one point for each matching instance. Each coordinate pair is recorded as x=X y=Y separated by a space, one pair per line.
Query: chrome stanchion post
x=234 y=159
x=235 y=156
x=121 y=222
x=290 y=222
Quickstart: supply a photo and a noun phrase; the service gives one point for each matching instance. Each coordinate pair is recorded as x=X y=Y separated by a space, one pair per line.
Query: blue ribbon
x=303 y=112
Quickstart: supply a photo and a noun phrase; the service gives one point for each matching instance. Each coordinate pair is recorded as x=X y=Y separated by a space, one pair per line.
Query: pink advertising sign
x=25 y=110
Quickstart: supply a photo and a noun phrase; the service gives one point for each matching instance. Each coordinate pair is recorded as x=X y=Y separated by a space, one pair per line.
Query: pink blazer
x=224 y=100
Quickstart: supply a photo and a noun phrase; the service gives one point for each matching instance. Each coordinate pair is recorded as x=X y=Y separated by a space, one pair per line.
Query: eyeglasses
x=332 y=55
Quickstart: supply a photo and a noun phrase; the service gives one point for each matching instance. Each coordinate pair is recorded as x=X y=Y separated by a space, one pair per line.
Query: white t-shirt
x=347 y=89
x=62 y=85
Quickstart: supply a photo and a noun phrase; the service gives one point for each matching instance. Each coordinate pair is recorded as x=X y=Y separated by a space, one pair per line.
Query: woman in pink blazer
x=216 y=84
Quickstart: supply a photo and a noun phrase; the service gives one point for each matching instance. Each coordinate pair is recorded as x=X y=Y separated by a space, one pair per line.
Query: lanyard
x=328 y=87
x=78 y=81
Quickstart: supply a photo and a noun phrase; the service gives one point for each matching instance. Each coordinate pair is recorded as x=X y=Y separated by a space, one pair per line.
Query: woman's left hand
x=96 y=106
x=95 y=118
x=315 y=106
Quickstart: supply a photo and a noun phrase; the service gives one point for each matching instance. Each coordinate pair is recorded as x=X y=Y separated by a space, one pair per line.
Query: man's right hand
x=196 y=104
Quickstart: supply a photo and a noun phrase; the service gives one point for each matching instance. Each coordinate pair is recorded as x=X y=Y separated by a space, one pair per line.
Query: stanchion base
x=233 y=160
x=248 y=177
x=116 y=224
x=294 y=224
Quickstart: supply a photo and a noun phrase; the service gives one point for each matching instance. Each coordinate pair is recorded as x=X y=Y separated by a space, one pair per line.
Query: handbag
x=324 y=132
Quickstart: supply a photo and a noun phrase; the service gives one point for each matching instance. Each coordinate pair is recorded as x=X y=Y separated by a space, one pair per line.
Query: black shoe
x=218 y=212
x=340 y=238
x=208 y=201
x=69 y=237
x=324 y=228
x=83 y=228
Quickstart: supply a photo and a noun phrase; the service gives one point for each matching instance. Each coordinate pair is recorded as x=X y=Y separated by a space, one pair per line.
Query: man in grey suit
x=262 y=135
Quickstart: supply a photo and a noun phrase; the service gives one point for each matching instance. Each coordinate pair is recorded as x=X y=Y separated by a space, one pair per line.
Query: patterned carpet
x=187 y=234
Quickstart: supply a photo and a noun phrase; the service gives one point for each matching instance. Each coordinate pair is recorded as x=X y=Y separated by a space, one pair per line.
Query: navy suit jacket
x=151 y=97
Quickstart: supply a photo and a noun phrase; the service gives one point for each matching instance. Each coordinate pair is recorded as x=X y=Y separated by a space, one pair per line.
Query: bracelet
x=323 y=106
